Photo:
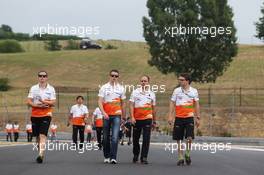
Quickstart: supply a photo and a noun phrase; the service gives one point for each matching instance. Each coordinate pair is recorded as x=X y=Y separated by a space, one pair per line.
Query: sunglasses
x=144 y=81
x=116 y=76
x=42 y=76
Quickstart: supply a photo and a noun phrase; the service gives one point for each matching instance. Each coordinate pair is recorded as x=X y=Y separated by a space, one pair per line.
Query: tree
x=260 y=25
x=10 y=46
x=6 y=28
x=194 y=36
x=52 y=45
x=4 y=84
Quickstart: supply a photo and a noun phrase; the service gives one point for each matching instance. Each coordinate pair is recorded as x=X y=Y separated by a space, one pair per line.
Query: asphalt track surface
x=20 y=160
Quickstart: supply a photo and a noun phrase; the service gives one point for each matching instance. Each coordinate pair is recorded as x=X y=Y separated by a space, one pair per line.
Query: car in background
x=87 y=43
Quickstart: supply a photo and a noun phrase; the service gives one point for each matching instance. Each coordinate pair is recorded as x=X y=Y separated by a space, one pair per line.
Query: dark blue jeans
x=113 y=124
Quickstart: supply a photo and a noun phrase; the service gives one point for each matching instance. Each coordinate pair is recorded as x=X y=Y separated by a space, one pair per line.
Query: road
x=20 y=160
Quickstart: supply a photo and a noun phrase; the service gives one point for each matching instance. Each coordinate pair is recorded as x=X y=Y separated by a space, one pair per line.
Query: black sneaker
x=144 y=160
x=135 y=159
x=39 y=159
x=180 y=162
x=188 y=160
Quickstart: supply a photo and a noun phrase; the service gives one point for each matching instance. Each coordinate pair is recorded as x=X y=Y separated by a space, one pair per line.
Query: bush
x=10 y=46
x=109 y=46
x=52 y=45
x=226 y=134
x=72 y=45
x=4 y=84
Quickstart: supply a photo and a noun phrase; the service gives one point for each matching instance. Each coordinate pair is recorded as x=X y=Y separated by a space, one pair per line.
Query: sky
x=116 y=19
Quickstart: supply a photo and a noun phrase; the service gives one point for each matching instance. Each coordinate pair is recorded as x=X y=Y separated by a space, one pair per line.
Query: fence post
x=2 y=105
x=87 y=98
x=209 y=97
x=240 y=96
x=58 y=99
x=256 y=97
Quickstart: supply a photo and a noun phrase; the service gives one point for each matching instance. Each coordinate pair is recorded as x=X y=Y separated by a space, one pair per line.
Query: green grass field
x=89 y=68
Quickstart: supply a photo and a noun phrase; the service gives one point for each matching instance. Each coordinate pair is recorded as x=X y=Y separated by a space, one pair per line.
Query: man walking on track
x=29 y=132
x=16 y=131
x=185 y=103
x=112 y=105
x=41 y=98
x=98 y=121
x=78 y=117
x=143 y=115
x=9 y=131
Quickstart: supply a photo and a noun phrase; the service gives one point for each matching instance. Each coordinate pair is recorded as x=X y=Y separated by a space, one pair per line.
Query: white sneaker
x=107 y=160
x=113 y=161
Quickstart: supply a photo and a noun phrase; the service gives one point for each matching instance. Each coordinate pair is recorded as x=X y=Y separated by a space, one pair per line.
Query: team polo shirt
x=36 y=93
x=78 y=113
x=143 y=102
x=184 y=101
x=98 y=117
x=112 y=96
x=9 y=128
x=16 y=128
x=29 y=128
x=53 y=128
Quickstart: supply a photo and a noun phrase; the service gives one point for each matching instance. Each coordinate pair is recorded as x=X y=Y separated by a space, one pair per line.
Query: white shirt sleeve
x=196 y=96
x=72 y=109
x=154 y=99
x=30 y=94
x=101 y=92
x=53 y=94
x=173 y=97
x=86 y=111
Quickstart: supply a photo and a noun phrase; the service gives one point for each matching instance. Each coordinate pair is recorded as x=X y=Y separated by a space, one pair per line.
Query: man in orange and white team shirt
x=112 y=105
x=9 y=130
x=78 y=117
x=143 y=116
x=41 y=98
x=88 y=131
x=16 y=131
x=98 y=121
x=185 y=103
x=53 y=129
x=29 y=132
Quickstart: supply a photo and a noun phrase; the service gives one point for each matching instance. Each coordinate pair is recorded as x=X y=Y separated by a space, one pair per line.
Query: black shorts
x=40 y=125
x=183 y=128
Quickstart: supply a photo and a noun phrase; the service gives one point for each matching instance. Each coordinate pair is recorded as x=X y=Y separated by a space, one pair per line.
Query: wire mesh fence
x=224 y=103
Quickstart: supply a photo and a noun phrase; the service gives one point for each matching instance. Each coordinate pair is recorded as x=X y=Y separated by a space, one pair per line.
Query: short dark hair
x=77 y=98
x=186 y=76
x=146 y=76
x=114 y=70
x=43 y=71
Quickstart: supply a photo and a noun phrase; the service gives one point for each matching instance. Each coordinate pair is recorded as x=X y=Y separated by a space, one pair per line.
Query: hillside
x=89 y=68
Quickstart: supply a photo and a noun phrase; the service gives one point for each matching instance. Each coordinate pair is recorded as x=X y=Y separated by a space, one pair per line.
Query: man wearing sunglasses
x=143 y=115
x=41 y=98
x=185 y=103
x=112 y=105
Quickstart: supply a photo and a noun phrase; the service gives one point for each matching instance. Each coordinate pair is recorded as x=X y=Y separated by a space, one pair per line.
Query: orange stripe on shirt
x=78 y=121
x=185 y=111
x=99 y=122
x=113 y=108
x=143 y=113
x=41 y=112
